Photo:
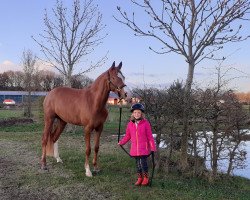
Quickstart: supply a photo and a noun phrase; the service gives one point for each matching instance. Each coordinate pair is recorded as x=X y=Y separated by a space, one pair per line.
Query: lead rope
x=152 y=153
x=119 y=131
x=153 y=168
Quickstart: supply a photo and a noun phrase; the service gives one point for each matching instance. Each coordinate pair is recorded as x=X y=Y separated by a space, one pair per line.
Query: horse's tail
x=52 y=147
x=50 y=144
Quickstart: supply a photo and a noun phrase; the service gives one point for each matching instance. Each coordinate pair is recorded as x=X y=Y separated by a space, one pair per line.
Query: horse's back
x=61 y=100
x=69 y=104
x=60 y=94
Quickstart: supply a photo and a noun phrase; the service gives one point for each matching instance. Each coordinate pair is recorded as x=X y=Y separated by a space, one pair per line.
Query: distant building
x=20 y=96
x=114 y=99
x=135 y=100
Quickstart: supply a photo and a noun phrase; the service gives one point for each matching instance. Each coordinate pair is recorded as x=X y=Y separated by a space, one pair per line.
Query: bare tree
x=11 y=75
x=29 y=62
x=4 y=81
x=192 y=29
x=58 y=81
x=235 y=124
x=47 y=79
x=12 y=80
x=72 y=35
x=222 y=119
x=81 y=81
x=19 y=80
x=224 y=122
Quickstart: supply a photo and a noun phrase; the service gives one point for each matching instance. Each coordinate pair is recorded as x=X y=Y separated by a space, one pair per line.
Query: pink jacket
x=142 y=141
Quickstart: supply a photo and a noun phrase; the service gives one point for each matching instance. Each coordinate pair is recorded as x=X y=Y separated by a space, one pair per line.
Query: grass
x=10 y=113
x=117 y=177
x=23 y=128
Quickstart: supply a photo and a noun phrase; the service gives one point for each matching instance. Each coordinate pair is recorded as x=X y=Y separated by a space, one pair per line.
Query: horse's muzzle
x=121 y=93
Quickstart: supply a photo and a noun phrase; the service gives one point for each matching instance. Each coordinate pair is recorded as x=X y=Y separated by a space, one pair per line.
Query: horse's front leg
x=97 y=144
x=87 y=151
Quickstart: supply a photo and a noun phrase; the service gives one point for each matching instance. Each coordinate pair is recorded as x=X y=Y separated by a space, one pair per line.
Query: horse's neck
x=100 y=90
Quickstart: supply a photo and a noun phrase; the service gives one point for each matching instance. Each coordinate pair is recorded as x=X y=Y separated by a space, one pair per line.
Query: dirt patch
x=15 y=121
x=15 y=161
x=11 y=187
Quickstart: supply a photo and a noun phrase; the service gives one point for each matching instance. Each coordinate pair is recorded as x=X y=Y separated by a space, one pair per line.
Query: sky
x=21 y=19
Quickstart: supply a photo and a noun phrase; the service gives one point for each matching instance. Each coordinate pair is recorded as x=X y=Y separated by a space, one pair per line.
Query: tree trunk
x=231 y=159
x=184 y=137
x=70 y=128
x=67 y=81
x=29 y=105
x=214 y=150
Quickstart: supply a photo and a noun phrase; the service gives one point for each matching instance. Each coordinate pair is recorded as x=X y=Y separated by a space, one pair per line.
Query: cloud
x=8 y=65
x=131 y=85
x=139 y=74
x=45 y=66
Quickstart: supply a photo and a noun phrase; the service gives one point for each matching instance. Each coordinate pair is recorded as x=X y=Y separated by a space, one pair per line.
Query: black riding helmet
x=137 y=106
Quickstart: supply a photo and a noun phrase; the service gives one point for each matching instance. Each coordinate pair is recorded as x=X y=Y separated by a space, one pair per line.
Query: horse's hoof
x=96 y=171
x=89 y=174
x=44 y=168
x=59 y=160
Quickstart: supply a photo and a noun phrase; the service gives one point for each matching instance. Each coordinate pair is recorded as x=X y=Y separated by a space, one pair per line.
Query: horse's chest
x=97 y=118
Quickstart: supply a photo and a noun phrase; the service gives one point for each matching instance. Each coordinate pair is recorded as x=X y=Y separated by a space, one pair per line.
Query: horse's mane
x=97 y=80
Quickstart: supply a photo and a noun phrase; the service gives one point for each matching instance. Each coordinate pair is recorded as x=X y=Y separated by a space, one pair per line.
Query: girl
x=142 y=142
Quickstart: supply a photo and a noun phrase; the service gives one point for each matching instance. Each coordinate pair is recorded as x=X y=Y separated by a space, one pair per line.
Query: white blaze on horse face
x=121 y=76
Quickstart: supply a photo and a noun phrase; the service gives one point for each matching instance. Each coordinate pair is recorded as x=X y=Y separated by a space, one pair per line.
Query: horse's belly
x=71 y=117
x=79 y=116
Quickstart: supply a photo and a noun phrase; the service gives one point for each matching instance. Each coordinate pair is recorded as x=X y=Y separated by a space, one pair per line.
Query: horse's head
x=116 y=80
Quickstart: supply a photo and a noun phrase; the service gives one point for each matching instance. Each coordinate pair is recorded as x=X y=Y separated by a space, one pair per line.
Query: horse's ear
x=113 y=65
x=120 y=66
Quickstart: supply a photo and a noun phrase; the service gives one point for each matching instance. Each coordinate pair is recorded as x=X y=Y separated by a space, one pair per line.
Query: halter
x=118 y=89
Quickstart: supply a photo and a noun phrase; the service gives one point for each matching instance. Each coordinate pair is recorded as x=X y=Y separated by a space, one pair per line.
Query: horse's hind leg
x=60 y=125
x=87 y=132
x=46 y=134
x=97 y=144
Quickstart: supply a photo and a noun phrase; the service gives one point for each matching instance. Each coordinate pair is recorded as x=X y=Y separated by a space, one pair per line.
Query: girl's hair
x=132 y=117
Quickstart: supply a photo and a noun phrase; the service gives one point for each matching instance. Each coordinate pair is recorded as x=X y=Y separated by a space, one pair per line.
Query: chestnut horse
x=85 y=107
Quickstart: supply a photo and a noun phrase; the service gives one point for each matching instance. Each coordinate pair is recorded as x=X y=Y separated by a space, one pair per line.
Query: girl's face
x=137 y=114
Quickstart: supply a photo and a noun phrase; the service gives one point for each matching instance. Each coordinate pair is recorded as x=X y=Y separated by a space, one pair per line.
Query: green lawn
x=117 y=177
x=10 y=113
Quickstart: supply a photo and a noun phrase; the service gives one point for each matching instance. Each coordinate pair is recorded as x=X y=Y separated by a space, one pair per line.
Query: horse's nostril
x=126 y=94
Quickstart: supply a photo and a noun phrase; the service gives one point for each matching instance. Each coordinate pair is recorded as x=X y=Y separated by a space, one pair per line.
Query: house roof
x=41 y=93
x=37 y=93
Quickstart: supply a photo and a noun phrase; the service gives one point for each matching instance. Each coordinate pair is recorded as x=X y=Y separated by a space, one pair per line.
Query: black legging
x=141 y=164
